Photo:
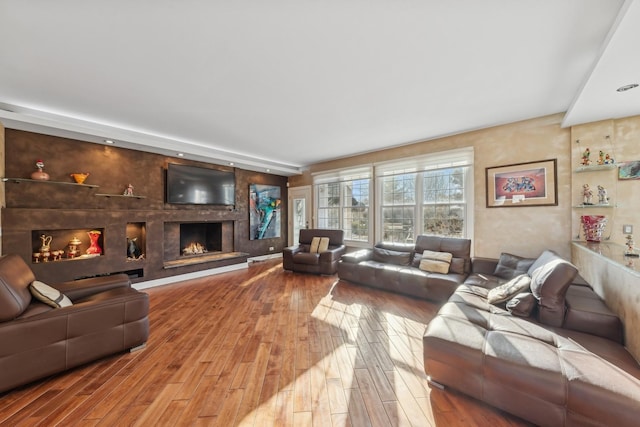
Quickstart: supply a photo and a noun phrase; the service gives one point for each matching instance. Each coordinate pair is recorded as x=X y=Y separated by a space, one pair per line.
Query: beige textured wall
x=525 y=231
x=624 y=145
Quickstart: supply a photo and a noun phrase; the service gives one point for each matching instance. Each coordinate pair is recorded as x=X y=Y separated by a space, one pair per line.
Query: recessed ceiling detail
x=227 y=82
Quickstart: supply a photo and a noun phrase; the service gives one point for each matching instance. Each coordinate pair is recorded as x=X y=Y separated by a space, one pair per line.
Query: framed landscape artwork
x=264 y=211
x=522 y=184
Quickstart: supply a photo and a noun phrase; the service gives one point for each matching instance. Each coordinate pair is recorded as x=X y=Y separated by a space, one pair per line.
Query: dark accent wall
x=61 y=210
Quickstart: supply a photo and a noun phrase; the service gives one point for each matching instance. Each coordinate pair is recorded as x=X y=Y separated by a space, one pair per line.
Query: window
x=430 y=194
x=427 y=195
x=343 y=202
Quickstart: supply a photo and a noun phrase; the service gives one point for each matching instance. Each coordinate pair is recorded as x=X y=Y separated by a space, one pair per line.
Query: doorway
x=299 y=212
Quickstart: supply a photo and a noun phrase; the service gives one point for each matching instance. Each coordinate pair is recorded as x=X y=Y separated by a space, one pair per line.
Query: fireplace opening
x=200 y=238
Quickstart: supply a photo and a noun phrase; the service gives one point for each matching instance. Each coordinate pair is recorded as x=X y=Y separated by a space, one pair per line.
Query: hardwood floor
x=261 y=347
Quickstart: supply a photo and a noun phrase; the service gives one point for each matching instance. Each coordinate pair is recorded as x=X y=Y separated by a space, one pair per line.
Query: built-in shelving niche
x=136 y=241
x=59 y=243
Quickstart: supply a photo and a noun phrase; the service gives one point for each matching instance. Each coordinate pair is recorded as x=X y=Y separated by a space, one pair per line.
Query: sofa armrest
x=481 y=265
x=357 y=256
x=333 y=253
x=79 y=289
x=292 y=250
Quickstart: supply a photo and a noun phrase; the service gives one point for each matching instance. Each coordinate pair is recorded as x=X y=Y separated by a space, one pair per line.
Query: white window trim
x=342 y=175
x=433 y=161
x=437 y=160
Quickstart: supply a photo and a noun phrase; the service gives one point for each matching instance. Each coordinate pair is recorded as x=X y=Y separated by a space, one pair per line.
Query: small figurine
x=40 y=174
x=630 y=251
x=128 y=191
x=608 y=160
x=585 y=157
x=133 y=250
x=603 y=199
x=587 y=195
x=601 y=157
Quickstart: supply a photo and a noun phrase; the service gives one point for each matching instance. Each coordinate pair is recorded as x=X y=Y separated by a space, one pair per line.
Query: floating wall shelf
x=596 y=168
x=19 y=180
x=120 y=195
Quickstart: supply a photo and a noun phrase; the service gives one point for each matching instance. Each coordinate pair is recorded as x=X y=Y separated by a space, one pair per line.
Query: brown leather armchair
x=300 y=258
x=107 y=316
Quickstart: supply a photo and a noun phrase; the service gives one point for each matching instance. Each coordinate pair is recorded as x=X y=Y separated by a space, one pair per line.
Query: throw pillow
x=510 y=266
x=324 y=244
x=509 y=289
x=48 y=295
x=315 y=243
x=522 y=304
x=435 y=262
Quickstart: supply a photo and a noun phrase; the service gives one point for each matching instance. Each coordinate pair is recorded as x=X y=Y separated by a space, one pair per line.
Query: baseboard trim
x=264 y=257
x=188 y=276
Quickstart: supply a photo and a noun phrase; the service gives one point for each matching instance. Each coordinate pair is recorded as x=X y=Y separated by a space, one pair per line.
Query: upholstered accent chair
x=318 y=251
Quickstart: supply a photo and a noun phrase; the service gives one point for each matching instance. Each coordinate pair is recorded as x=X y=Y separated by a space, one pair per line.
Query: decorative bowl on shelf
x=80 y=177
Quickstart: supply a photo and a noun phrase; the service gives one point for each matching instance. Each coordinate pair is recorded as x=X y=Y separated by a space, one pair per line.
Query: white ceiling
x=282 y=84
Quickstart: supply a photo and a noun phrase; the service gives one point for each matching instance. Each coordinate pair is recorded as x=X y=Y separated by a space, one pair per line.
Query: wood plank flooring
x=261 y=347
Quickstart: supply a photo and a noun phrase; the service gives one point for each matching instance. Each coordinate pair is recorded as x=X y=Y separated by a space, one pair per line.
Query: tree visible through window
x=345 y=205
x=429 y=202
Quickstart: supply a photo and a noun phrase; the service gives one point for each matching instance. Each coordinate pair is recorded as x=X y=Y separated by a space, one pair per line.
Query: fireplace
x=204 y=239
x=200 y=238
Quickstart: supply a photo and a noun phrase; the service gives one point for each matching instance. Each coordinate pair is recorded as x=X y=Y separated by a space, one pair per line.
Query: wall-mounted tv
x=194 y=185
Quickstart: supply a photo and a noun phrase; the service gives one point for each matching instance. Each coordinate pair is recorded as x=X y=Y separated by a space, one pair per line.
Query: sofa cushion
x=550 y=277
x=315 y=244
x=457 y=264
x=15 y=277
x=510 y=266
x=391 y=257
x=48 y=295
x=509 y=289
x=324 y=245
x=306 y=258
x=522 y=304
x=459 y=248
x=435 y=262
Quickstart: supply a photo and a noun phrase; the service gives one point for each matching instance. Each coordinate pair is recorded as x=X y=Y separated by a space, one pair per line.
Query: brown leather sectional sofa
x=395 y=267
x=107 y=316
x=553 y=354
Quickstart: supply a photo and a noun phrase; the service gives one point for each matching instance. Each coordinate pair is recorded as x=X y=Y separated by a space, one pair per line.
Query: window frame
x=419 y=166
x=342 y=177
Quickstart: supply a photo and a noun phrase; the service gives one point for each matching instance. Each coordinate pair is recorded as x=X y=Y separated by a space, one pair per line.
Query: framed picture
x=264 y=211
x=523 y=184
x=629 y=170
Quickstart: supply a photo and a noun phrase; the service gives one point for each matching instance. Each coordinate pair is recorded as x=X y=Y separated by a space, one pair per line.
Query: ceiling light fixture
x=627 y=87
x=231 y=163
x=108 y=141
x=180 y=154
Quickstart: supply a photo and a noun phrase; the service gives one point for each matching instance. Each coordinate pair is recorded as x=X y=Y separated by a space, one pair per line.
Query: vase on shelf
x=94 y=247
x=40 y=174
x=593 y=226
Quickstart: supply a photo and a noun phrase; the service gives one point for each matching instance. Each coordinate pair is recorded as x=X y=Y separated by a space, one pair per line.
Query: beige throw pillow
x=435 y=262
x=509 y=289
x=324 y=244
x=48 y=295
x=315 y=242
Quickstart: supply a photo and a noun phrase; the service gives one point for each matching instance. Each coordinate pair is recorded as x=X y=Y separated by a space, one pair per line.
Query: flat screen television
x=194 y=185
